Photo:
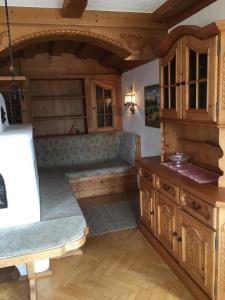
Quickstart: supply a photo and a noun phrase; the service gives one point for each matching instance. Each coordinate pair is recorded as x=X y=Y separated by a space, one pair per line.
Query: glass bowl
x=178 y=158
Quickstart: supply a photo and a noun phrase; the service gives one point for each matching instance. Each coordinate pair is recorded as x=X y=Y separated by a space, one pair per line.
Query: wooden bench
x=95 y=164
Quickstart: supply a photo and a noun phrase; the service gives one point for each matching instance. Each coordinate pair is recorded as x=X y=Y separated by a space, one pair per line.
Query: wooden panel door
x=171 y=76
x=200 y=64
x=166 y=224
x=147 y=206
x=197 y=251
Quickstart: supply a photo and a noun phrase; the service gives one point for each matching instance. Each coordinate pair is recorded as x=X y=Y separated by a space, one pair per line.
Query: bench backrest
x=75 y=149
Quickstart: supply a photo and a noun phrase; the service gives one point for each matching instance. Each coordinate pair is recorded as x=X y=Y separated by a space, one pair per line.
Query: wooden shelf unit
x=58 y=106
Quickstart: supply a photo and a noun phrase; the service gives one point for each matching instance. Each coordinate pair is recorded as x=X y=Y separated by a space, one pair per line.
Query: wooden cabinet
x=171 y=77
x=106 y=104
x=147 y=206
x=189 y=80
x=166 y=223
x=188 y=232
x=197 y=251
x=103 y=97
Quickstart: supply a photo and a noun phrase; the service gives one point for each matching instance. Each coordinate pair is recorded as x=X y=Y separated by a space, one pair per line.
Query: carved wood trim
x=3 y=34
x=85 y=36
x=201 y=33
x=137 y=42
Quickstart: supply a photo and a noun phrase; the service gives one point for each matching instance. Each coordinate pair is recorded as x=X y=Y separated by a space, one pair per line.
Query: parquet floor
x=117 y=266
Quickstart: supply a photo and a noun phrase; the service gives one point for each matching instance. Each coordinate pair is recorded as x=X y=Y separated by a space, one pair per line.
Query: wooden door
x=147 y=206
x=166 y=224
x=197 y=251
x=200 y=64
x=103 y=97
x=171 y=76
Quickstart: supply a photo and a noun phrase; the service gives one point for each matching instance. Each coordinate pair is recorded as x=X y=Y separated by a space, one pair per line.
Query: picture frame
x=152 y=105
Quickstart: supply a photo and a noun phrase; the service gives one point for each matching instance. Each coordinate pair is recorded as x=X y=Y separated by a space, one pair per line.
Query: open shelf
x=58 y=106
x=56 y=98
x=59 y=118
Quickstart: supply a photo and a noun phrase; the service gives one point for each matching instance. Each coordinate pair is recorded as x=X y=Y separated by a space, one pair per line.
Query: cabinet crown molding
x=201 y=33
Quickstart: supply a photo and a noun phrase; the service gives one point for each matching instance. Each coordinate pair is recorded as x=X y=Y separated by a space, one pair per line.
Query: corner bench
x=95 y=164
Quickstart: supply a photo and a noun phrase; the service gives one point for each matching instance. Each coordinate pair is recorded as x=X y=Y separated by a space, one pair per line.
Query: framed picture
x=152 y=106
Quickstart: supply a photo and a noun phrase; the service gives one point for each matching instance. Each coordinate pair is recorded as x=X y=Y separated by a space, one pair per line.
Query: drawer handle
x=179 y=239
x=175 y=233
x=166 y=187
x=195 y=205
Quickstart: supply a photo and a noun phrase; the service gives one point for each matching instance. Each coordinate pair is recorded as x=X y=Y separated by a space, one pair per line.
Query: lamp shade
x=130 y=97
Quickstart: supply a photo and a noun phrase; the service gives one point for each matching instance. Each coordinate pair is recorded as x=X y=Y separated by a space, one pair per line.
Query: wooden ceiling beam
x=110 y=60
x=85 y=51
x=56 y=48
x=173 y=12
x=73 y=8
x=28 y=52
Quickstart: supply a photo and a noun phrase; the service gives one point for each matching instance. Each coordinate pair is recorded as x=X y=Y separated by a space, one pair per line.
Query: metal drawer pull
x=166 y=187
x=195 y=205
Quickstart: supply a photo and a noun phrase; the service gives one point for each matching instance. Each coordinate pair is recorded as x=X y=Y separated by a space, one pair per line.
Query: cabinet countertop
x=208 y=192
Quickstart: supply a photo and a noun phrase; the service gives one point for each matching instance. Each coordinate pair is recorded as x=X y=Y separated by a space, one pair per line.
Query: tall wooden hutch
x=185 y=220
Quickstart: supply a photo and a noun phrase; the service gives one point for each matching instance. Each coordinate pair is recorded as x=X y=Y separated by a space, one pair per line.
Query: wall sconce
x=130 y=99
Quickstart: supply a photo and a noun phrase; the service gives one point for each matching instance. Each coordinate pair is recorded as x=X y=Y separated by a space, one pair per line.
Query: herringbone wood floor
x=116 y=266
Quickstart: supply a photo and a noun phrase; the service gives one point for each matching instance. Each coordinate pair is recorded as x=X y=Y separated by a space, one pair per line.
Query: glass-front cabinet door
x=103 y=106
x=199 y=78
x=170 y=72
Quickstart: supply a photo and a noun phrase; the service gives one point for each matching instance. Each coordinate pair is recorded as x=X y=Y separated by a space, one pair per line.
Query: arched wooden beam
x=70 y=34
x=178 y=32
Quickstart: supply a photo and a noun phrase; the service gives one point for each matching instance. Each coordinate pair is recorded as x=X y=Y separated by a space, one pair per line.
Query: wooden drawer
x=147 y=176
x=167 y=189
x=198 y=208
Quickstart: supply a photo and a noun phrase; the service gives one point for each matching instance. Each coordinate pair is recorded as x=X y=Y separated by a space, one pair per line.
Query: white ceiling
x=106 y=5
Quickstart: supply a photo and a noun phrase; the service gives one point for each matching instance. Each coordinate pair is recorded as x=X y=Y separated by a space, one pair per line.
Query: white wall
x=213 y=12
x=140 y=77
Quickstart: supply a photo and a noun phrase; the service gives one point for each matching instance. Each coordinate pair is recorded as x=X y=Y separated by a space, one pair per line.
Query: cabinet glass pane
x=108 y=94
x=100 y=107
x=173 y=97
x=99 y=93
x=166 y=98
x=192 y=96
x=165 y=75
x=203 y=63
x=202 y=95
x=192 y=65
x=173 y=71
x=109 y=121
x=108 y=106
x=101 y=122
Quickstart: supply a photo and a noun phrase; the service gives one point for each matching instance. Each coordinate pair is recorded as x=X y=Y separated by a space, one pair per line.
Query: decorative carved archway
x=64 y=34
